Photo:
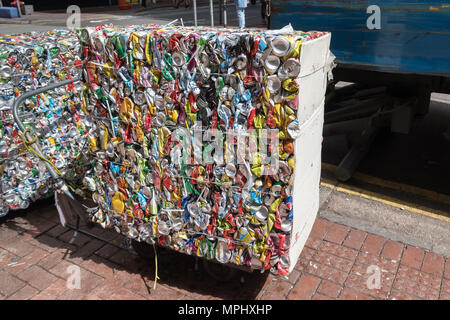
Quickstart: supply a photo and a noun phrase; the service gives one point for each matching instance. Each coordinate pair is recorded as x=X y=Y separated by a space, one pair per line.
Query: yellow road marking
x=397 y=203
x=424 y=193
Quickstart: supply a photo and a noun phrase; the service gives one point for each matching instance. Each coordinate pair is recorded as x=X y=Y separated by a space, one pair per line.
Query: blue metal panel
x=414 y=35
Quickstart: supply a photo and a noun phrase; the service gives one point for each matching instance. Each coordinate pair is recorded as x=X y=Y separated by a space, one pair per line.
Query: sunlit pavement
x=38 y=256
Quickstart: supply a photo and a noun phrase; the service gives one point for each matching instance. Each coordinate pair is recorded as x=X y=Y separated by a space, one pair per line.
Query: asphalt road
x=421 y=158
x=57 y=19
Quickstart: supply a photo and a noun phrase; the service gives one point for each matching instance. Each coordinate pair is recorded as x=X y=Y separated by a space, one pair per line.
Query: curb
x=15 y=21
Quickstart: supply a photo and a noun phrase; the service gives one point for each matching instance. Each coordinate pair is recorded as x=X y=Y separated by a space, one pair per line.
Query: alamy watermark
x=199 y=145
x=73 y=21
x=374 y=20
x=374 y=280
x=74 y=279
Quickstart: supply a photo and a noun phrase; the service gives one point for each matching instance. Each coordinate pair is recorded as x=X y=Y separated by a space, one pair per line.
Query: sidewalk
x=164 y=13
x=36 y=252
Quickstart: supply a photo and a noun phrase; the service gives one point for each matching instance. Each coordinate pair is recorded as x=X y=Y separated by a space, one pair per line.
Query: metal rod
x=220 y=12
x=224 y=13
x=195 y=12
x=171 y=22
x=345 y=127
x=21 y=99
x=211 y=12
x=352 y=159
x=18 y=8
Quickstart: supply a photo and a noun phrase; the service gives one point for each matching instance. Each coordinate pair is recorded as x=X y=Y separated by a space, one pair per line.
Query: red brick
x=51 y=244
x=50 y=213
x=193 y=290
x=433 y=263
x=163 y=292
x=333 y=261
x=72 y=294
x=27 y=261
x=122 y=257
x=305 y=287
x=445 y=290
x=55 y=290
x=25 y=293
x=429 y=279
x=61 y=269
x=420 y=284
x=17 y=246
x=320 y=228
x=416 y=289
x=392 y=250
x=349 y=294
x=107 y=251
x=37 y=225
x=88 y=282
x=412 y=257
x=412 y=275
x=319 y=296
x=102 y=292
x=56 y=231
x=373 y=244
x=53 y=258
x=360 y=280
x=340 y=251
x=355 y=239
x=293 y=276
x=447 y=269
x=76 y=238
x=444 y=296
x=337 y=233
x=9 y=284
x=7 y=233
x=37 y=277
x=277 y=290
x=120 y=278
x=100 y=266
x=313 y=243
x=384 y=264
x=399 y=295
x=139 y=285
x=329 y=289
x=7 y=258
x=326 y=272
x=87 y=250
x=124 y=294
x=305 y=258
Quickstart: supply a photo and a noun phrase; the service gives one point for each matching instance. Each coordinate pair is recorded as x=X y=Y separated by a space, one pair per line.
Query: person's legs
x=263 y=10
x=241 y=16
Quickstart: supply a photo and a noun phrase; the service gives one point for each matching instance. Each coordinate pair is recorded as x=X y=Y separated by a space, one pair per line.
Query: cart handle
x=15 y=109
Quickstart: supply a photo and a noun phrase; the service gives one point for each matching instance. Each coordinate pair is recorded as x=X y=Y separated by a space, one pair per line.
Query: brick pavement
x=336 y=263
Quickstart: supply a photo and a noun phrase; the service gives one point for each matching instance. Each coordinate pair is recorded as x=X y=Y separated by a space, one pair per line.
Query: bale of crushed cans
x=207 y=140
x=55 y=118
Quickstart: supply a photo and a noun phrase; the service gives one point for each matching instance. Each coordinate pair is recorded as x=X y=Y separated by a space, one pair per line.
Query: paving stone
x=355 y=239
x=37 y=277
x=413 y=257
x=276 y=290
x=305 y=287
x=9 y=284
x=25 y=293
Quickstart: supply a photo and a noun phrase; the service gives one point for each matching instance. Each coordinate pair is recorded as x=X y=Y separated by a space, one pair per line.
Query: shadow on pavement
x=179 y=278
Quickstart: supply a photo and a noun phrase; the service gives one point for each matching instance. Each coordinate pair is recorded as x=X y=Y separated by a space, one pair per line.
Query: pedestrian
x=241 y=5
x=176 y=3
x=264 y=12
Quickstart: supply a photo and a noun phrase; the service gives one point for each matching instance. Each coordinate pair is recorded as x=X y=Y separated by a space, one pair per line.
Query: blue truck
x=395 y=52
